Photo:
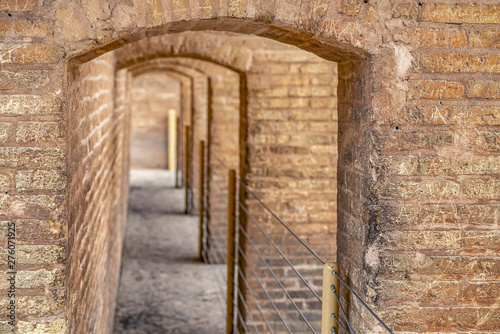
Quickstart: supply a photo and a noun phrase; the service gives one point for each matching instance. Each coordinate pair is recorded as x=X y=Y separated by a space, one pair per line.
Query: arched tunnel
x=314 y=165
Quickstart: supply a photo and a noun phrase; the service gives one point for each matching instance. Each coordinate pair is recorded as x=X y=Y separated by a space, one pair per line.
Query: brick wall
x=152 y=95
x=97 y=188
x=418 y=99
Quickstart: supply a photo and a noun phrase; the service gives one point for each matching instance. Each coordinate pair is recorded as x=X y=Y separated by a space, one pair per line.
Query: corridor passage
x=164 y=288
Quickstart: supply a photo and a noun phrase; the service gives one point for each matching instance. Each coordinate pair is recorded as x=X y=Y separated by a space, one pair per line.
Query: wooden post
x=201 y=205
x=178 y=153
x=231 y=229
x=186 y=167
x=330 y=305
x=172 y=140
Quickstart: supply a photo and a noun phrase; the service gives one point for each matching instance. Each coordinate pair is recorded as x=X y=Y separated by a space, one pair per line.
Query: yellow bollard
x=231 y=222
x=172 y=140
x=330 y=305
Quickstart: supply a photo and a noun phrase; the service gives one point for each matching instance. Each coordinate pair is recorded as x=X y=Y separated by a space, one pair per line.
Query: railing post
x=202 y=196
x=330 y=305
x=231 y=228
x=186 y=166
x=172 y=140
x=178 y=152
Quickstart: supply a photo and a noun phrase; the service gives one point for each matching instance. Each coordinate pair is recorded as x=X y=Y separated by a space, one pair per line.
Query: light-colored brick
x=17 y=5
x=422 y=189
x=40 y=179
x=23 y=79
x=30 y=53
x=57 y=326
x=28 y=157
x=6 y=130
x=39 y=132
x=471 y=165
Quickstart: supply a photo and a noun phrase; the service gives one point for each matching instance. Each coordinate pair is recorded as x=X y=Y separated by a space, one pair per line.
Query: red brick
x=439 y=89
x=460 y=13
x=461 y=115
x=420 y=290
x=484 y=39
x=459 y=62
x=459 y=265
x=484 y=89
x=437 y=37
x=477 y=188
x=482 y=292
x=486 y=242
x=405 y=10
x=26 y=28
x=422 y=189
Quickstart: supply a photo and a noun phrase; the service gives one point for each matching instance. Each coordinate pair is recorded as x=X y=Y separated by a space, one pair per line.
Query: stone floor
x=164 y=288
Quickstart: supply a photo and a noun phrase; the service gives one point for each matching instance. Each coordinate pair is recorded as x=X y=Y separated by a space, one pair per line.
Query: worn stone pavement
x=164 y=288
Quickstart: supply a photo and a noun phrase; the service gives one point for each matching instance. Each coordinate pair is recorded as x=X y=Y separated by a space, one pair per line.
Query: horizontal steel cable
x=264 y=289
x=279 y=251
x=361 y=300
x=277 y=279
x=242 y=276
x=248 y=310
x=341 y=308
x=281 y=222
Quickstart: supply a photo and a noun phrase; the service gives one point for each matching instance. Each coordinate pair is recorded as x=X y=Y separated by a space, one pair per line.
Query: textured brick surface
x=417 y=143
x=98 y=187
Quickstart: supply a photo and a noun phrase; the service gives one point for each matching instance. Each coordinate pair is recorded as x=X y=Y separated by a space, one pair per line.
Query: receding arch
x=237 y=60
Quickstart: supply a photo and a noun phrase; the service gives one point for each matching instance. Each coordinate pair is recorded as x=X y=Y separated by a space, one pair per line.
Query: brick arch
x=222 y=84
x=418 y=110
x=253 y=96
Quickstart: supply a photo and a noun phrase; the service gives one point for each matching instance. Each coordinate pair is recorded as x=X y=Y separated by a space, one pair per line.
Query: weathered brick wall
x=33 y=171
x=436 y=222
x=418 y=103
x=152 y=95
x=97 y=190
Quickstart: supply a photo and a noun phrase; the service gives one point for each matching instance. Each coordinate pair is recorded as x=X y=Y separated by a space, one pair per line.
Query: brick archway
x=418 y=95
x=255 y=102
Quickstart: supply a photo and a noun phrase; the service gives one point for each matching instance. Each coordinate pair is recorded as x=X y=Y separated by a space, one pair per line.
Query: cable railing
x=260 y=292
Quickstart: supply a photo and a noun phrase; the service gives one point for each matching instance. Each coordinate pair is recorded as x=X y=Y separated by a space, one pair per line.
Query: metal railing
x=246 y=309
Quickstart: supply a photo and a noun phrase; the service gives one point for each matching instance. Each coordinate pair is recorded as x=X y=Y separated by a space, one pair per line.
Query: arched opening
x=287 y=128
x=418 y=114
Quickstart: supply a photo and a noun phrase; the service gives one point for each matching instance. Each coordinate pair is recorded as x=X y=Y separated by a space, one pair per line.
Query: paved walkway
x=163 y=286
